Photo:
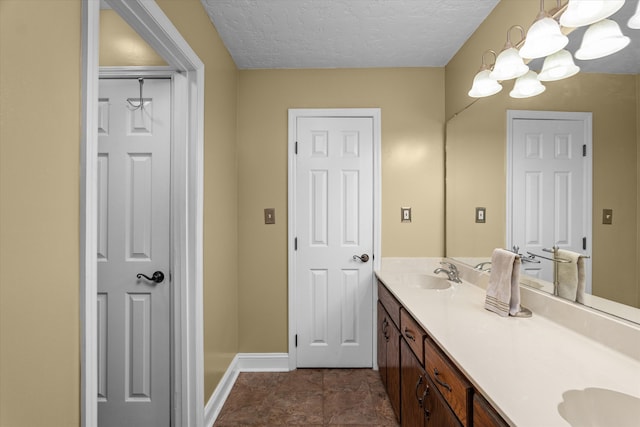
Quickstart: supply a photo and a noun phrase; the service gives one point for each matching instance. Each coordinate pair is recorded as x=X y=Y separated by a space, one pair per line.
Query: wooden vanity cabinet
x=484 y=415
x=425 y=387
x=389 y=346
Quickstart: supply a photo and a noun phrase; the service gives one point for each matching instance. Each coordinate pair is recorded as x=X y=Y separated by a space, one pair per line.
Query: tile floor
x=308 y=397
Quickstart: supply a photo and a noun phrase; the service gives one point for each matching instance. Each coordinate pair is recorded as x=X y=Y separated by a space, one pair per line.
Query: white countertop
x=530 y=369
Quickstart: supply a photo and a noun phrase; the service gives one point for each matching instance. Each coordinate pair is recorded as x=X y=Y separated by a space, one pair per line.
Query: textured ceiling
x=345 y=33
x=372 y=33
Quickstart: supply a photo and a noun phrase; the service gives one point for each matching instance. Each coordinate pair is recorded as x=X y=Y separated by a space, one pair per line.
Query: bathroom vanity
x=446 y=361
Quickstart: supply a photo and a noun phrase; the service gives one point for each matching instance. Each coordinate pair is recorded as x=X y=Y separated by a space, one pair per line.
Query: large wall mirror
x=476 y=152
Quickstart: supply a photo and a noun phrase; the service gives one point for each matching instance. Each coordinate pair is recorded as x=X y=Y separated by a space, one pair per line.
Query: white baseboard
x=242 y=362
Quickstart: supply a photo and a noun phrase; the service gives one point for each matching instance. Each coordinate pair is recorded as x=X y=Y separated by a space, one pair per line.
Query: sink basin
x=599 y=407
x=426 y=281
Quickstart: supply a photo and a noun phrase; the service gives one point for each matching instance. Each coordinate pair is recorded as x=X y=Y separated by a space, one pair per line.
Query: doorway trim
x=586 y=119
x=294 y=114
x=148 y=20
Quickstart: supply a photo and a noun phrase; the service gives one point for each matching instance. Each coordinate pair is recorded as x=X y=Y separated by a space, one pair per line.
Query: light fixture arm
x=557 y=11
x=508 y=44
x=543 y=13
x=553 y=13
x=485 y=65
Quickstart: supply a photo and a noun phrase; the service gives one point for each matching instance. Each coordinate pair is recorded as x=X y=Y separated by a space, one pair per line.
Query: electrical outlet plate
x=405 y=214
x=481 y=215
x=270 y=216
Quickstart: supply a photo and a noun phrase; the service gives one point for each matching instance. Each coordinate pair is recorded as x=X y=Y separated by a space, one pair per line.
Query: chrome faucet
x=484 y=266
x=452 y=272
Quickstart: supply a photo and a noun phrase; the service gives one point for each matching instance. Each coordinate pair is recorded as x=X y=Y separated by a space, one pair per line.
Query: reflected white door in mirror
x=549 y=171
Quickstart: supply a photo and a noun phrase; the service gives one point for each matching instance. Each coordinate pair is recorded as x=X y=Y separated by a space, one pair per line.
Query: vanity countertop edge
x=523 y=366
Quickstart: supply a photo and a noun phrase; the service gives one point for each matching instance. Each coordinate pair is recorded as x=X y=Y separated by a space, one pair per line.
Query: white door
x=334 y=223
x=134 y=365
x=550 y=203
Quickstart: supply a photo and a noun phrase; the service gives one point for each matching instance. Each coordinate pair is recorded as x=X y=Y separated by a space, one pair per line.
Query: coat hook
x=140 y=102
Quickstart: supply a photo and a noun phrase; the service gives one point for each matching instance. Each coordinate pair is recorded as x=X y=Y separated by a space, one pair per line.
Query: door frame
x=586 y=119
x=148 y=20
x=294 y=114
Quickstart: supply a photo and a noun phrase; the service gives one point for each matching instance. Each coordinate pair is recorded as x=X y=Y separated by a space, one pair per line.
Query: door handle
x=363 y=257
x=157 y=276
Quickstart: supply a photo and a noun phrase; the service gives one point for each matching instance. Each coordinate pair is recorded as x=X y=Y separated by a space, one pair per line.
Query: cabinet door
x=389 y=357
x=383 y=326
x=393 y=367
x=437 y=412
x=413 y=383
x=484 y=415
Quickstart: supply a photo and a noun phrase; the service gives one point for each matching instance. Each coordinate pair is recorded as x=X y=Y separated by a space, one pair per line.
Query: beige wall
x=39 y=213
x=412 y=105
x=120 y=45
x=476 y=141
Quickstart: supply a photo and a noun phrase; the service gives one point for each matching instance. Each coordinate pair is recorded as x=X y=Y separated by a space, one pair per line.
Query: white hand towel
x=571 y=278
x=503 y=291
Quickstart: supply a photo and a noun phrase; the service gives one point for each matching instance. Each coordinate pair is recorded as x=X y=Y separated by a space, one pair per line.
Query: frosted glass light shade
x=483 y=85
x=509 y=65
x=558 y=66
x=634 y=21
x=527 y=86
x=543 y=38
x=585 y=12
x=601 y=39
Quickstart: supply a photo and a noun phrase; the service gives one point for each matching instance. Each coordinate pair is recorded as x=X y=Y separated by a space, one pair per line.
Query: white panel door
x=134 y=365
x=334 y=222
x=548 y=189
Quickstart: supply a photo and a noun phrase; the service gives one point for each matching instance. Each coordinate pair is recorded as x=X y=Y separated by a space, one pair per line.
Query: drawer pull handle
x=409 y=334
x=427 y=413
x=385 y=327
x=439 y=381
x=418 y=398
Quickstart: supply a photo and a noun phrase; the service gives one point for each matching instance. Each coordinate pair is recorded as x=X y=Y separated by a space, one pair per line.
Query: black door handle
x=157 y=276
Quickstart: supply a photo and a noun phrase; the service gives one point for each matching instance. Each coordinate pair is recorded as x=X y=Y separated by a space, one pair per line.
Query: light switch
x=270 y=216
x=607 y=216
x=405 y=214
x=481 y=215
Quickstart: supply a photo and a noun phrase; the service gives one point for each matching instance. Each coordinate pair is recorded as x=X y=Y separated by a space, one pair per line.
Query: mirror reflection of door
x=549 y=173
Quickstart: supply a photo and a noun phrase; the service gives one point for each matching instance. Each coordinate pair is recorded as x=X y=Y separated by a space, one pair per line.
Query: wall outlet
x=270 y=216
x=481 y=215
x=405 y=214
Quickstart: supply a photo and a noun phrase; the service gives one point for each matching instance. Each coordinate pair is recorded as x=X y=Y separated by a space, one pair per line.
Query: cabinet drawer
x=390 y=303
x=452 y=385
x=413 y=334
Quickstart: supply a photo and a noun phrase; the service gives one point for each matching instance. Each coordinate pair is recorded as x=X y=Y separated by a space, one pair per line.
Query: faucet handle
x=451 y=266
